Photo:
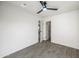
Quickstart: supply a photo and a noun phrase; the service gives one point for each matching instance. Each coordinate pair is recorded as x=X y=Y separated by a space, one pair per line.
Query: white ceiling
x=34 y=6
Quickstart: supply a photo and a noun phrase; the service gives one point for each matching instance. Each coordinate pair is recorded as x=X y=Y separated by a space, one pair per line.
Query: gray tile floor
x=46 y=49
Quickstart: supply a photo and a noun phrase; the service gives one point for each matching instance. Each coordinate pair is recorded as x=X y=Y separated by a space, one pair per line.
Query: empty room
x=39 y=29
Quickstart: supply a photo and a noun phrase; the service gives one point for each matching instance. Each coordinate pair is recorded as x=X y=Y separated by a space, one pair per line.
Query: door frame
x=39 y=31
x=49 y=33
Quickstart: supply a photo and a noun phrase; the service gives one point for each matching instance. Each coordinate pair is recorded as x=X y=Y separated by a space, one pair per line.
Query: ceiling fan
x=44 y=5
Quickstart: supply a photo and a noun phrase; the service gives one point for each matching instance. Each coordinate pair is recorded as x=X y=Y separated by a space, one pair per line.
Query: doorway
x=48 y=31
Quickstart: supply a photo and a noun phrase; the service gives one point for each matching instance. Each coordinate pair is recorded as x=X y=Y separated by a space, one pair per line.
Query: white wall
x=65 y=29
x=18 y=29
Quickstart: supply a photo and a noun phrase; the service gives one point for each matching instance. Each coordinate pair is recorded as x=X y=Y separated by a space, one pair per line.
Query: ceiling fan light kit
x=44 y=9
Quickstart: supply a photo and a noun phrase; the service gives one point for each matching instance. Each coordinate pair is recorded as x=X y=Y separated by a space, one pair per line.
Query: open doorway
x=48 y=31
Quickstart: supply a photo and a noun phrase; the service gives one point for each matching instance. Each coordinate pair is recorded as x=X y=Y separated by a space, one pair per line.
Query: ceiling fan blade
x=42 y=3
x=45 y=4
x=40 y=11
x=52 y=8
